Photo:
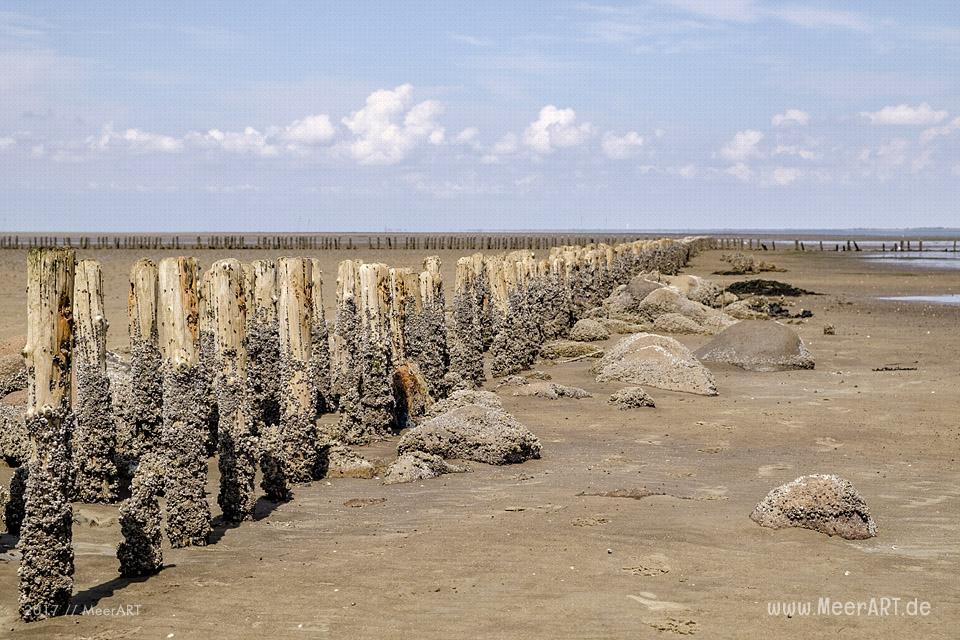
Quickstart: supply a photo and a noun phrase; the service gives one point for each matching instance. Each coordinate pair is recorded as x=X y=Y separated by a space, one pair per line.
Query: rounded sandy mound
x=670 y=301
x=418 y=465
x=588 y=330
x=758 y=345
x=631 y=398
x=550 y=391
x=825 y=503
x=463 y=398
x=473 y=432
x=655 y=361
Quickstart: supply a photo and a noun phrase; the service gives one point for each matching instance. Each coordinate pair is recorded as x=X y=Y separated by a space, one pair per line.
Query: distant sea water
x=947 y=298
x=918 y=259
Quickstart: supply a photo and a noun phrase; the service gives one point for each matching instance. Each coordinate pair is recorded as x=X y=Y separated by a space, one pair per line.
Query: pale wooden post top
x=142 y=300
x=49 y=349
x=229 y=309
x=294 y=307
x=262 y=291
x=348 y=281
x=90 y=322
x=178 y=312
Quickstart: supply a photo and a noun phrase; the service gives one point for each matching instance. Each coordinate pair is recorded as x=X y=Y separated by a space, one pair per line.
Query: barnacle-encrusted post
x=46 y=565
x=185 y=390
x=95 y=435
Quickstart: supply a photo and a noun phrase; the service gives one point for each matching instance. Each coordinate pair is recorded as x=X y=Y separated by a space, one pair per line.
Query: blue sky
x=132 y=116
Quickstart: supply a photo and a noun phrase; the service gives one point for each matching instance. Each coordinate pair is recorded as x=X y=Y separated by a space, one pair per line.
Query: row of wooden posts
x=454 y=242
x=253 y=340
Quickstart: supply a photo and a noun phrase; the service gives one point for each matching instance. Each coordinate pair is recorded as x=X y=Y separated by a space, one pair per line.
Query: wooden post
x=298 y=400
x=263 y=343
x=95 y=436
x=466 y=352
x=184 y=433
x=377 y=401
x=237 y=444
x=208 y=366
x=320 y=339
x=46 y=565
x=146 y=380
x=405 y=302
x=434 y=358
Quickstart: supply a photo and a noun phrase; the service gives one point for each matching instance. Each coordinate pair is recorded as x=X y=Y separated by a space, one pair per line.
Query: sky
x=418 y=116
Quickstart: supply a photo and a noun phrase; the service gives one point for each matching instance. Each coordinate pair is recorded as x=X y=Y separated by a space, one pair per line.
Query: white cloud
x=904 y=114
x=743 y=145
x=504 y=146
x=686 y=171
x=311 y=130
x=134 y=140
x=7 y=142
x=467 y=136
x=786 y=175
x=388 y=128
x=555 y=129
x=794 y=150
x=473 y=41
x=249 y=141
x=936 y=132
x=791 y=117
x=740 y=171
x=620 y=147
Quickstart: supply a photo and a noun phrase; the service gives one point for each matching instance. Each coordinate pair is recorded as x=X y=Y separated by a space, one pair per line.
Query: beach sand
x=520 y=552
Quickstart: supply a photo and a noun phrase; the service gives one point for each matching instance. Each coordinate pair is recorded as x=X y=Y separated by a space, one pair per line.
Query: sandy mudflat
x=517 y=552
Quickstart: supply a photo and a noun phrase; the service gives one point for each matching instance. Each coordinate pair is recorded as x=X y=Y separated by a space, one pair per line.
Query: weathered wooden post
x=140 y=552
x=95 y=436
x=466 y=352
x=320 y=343
x=46 y=565
x=346 y=354
x=376 y=397
x=207 y=362
x=434 y=358
x=146 y=379
x=263 y=343
x=237 y=443
x=184 y=434
x=298 y=401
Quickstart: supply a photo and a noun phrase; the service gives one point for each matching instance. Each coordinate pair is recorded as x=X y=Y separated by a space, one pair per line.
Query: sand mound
x=642 y=285
x=14 y=441
x=758 y=345
x=551 y=391
x=698 y=289
x=631 y=398
x=676 y=323
x=569 y=349
x=749 y=309
x=616 y=325
x=418 y=465
x=825 y=503
x=669 y=300
x=656 y=361
x=588 y=330
x=343 y=462
x=475 y=433
x=463 y=398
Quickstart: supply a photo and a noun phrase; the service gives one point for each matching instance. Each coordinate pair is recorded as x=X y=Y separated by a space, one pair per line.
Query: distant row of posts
x=455 y=242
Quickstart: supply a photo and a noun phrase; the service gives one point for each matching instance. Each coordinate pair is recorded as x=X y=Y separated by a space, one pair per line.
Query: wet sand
x=519 y=552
